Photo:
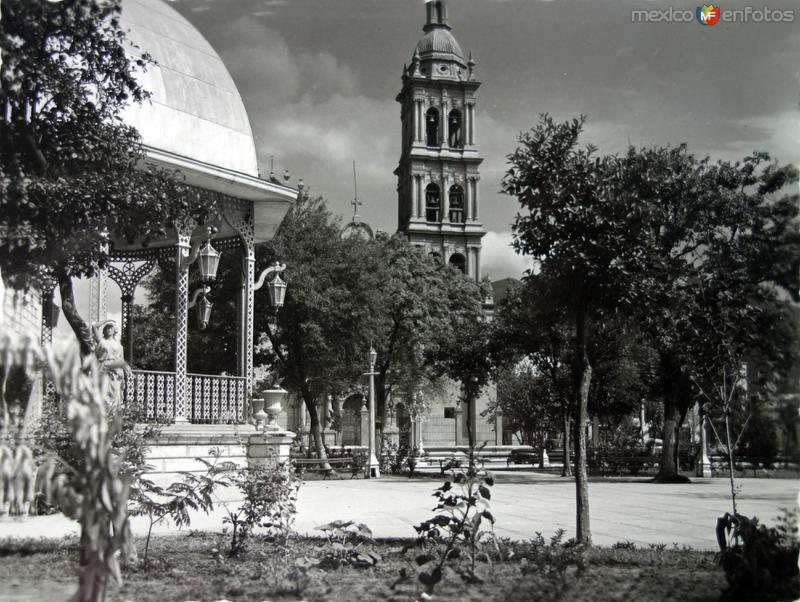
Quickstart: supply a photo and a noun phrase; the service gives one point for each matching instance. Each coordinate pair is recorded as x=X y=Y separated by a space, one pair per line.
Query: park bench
x=317 y=465
x=619 y=462
x=557 y=456
x=523 y=456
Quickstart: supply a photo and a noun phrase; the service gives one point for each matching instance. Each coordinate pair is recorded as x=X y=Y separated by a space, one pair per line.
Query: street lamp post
x=373 y=469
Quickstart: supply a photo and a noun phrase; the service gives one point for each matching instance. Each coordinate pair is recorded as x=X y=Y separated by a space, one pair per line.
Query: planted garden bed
x=195 y=566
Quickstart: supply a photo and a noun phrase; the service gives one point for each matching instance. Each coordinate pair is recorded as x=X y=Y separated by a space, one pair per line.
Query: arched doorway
x=351 y=419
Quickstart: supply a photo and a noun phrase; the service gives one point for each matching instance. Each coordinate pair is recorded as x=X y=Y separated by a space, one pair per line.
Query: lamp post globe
x=204 y=312
x=208 y=260
x=277 y=291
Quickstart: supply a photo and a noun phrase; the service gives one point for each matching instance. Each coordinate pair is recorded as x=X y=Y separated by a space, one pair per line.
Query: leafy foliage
x=96 y=491
x=69 y=181
x=345 y=540
x=464 y=511
x=174 y=502
x=764 y=566
x=270 y=497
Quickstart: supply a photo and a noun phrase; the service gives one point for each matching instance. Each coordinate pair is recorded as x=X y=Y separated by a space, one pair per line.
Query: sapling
x=192 y=493
x=464 y=509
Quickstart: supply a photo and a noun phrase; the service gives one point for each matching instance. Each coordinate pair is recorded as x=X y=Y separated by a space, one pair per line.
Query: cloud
x=498 y=259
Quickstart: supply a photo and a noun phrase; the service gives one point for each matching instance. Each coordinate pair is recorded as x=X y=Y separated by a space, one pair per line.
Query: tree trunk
x=582 y=380
x=381 y=394
x=470 y=420
x=668 y=468
x=82 y=330
x=92 y=579
x=316 y=428
x=566 y=470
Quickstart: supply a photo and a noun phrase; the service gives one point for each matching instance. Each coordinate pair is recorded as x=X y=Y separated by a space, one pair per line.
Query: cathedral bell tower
x=437 y=178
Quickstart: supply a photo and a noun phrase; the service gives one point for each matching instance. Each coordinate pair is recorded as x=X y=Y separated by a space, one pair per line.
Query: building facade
x=437 y=177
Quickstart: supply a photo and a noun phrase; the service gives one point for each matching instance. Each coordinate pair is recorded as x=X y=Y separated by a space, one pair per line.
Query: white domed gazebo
x=196 y=125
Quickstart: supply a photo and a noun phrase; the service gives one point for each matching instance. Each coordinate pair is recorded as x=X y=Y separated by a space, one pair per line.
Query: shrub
x=760 y=562
x=270 y=497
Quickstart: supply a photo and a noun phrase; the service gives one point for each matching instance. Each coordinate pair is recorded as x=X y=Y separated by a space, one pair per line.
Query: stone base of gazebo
x=181 y=447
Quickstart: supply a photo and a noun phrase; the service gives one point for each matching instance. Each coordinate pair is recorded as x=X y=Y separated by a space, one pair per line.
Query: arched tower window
x=454 y=129
x=456 y=197
x=432 y=127
x=457 y=260
x=432 y=203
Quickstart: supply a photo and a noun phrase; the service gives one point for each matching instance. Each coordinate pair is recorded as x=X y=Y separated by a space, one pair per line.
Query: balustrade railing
x=216 y=399
x=212 y=399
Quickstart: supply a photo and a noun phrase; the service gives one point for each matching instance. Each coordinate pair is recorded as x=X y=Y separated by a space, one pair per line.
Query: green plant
x=270 y=497
x=52 y=439
x=95 y=490
x=464 y=509
x=345 y=538
x=764 y=566
x=192 y=493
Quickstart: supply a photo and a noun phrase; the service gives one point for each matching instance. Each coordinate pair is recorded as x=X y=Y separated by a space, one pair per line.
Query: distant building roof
x=500 y=289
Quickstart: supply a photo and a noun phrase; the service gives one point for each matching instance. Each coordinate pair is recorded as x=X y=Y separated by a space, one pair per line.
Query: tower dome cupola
x=438 y=53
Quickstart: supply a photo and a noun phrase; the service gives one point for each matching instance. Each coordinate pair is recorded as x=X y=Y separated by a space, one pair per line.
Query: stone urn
x=259 y=415
x=273 y=399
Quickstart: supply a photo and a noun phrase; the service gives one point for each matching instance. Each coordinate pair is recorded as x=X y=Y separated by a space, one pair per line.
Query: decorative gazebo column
x=128 y=278
x=48 y=312
x=238 y=214
x=182 y=252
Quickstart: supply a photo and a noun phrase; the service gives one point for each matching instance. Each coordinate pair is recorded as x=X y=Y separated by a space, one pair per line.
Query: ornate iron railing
x=153 y=392
x=211 y=399
x=216 y=399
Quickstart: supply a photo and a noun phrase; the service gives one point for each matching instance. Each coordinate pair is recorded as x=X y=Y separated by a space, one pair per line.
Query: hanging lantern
x=208 y=258
x=204 y=312
x=277 y=291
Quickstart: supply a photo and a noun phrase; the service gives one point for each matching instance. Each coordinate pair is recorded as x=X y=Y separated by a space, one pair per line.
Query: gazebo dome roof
x=195 y=110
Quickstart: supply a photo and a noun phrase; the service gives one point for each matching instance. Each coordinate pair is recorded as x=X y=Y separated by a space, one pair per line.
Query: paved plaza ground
x=523 y=503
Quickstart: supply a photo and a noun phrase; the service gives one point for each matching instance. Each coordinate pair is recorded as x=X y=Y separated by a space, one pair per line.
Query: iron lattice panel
x=216 y=399
x=153 y=392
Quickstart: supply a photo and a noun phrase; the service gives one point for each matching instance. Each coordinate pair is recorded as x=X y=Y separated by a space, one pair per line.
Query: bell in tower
x=437 y=176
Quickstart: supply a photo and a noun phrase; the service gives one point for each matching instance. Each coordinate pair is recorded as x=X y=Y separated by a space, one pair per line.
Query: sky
x=319 y=78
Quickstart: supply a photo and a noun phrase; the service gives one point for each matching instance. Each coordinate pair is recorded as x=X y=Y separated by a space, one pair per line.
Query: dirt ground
x=195 y=567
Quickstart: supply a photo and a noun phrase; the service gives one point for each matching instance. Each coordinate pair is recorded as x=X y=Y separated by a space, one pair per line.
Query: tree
x=580 y=227
x=418 y=305
x=68 y=164
x=529 y=326
x=464 y=353
x=528 y=402
x=721 y=238
x=317 y=341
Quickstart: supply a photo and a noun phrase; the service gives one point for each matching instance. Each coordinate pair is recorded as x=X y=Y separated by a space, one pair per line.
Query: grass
x=194 y=566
